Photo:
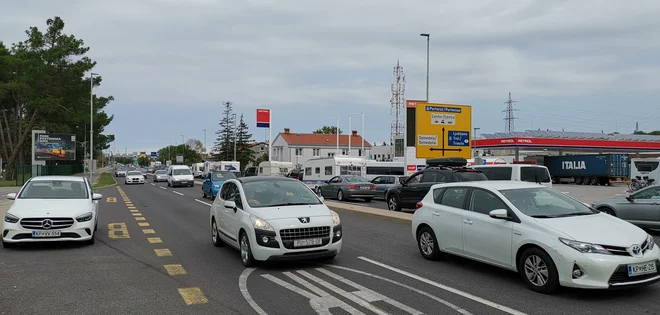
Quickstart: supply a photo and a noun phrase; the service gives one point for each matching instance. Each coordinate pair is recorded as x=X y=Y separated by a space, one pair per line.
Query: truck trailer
x=590 y=169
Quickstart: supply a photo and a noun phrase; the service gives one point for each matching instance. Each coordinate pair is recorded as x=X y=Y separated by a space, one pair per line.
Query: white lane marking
x=161 y=187
x=152 y=184
x=445 y=287
x=566 y=192
x=242 y=285
x=178 y=193
x=206 y=203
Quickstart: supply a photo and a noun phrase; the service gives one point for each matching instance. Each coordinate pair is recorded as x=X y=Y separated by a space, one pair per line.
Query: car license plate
x=307 y=242
x=46 y=233
x=641 y=269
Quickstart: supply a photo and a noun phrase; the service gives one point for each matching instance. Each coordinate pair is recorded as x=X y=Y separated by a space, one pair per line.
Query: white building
x=300 y=147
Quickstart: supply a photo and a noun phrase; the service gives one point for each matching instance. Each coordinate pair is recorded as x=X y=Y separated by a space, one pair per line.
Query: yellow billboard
x=443 y=130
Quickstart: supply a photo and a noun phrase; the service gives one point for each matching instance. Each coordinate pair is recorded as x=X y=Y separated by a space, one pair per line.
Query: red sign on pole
x=263 y=118
x=413 y=103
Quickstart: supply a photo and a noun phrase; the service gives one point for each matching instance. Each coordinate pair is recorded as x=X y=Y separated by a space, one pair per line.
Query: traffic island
x=105 y=180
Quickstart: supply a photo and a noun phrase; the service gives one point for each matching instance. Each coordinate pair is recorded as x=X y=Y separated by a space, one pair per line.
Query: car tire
x=8 y=245
x=168 y=184
x=90 y=241
x=192 y=185
x=203 y=194
x=96 y=226
x=427 y=244
x=215 y=235
x=368 y=199
x=340 y=195
x=317 y=190
x=533 y=262
x=393 y=203
x=246 y=251
x=607 y=211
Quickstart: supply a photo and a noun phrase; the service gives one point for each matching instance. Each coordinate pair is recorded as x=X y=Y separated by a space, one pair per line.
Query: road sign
x=443 y=130
x=154 y=154
x=263 y=118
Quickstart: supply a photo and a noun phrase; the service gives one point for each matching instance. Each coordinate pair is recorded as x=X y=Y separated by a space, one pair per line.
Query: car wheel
x=96 y=226
x=318 y=190
x=215 y=236
x=607 y=211
x=168 y=184
x=192 y=185
x=427 y=244
x=8 y=245
x=246 y=251
x=203 y=194
x=340 y=195
x=91 y=240
x=329 y=258
x=368 y=199
x=538 y=271
x=393 y=203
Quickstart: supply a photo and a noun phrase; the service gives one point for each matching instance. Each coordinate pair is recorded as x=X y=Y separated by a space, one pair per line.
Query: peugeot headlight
x=650 y=242
x=10 y=218
x=260 y=224
x=85 y=217
x=335 y=218
x=584 y=247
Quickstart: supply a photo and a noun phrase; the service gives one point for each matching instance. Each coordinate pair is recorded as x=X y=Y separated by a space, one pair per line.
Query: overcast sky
x=583 y=65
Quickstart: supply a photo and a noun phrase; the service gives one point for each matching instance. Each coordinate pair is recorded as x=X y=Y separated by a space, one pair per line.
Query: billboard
x=443 y=130
x=263 y=118
x=54 y=147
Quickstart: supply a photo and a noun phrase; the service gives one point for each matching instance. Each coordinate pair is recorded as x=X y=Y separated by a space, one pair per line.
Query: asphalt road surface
x=153 y=255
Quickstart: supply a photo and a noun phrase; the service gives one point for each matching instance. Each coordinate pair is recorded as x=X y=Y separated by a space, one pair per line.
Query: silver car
x=347 y=187
x=641 y=208
x=383 y=183
x=160 y=176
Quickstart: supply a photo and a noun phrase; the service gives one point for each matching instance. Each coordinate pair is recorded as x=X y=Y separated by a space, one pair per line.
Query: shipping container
x=592 y=169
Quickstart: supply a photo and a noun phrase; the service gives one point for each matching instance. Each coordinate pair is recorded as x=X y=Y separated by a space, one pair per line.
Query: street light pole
x=91 y=127
x=205 y=148
x=474 y=137
x=235 y=136
x=428 y=42
x=184 y=150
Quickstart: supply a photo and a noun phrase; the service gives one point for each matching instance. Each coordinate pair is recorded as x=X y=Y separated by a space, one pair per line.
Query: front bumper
x=276 y=250
x=135 y=180
x=360 y=193
x=160 y=178
x=79 y=231
x=603 y=271
x=183 y=182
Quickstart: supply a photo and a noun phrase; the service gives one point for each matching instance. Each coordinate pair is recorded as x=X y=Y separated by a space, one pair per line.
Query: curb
x=371 y=211
x=111 y=185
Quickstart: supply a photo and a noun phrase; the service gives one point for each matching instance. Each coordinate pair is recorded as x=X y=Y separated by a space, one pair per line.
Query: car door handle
x=436 y=213
x=467 y=221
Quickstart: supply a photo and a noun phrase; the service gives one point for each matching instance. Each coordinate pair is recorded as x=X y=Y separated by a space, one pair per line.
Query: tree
x=44 y=85
x=260 y=158
x=224 y=143
x=123 y=160
x=244 y=153
x=170 y=153
x=652 y=133
x=196 y=145
x=143 y=161
x=327 y=130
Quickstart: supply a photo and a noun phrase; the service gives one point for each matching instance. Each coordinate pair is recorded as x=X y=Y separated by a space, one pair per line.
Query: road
x=154 y=255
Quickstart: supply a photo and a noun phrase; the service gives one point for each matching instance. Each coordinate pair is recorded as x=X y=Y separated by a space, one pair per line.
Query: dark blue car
x=214 y=181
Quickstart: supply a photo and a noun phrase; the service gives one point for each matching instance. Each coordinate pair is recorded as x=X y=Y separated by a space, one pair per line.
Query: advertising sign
x=154 y=154
x=263 y=118
x=443 y=130
x=179 y=159
x=54 y=147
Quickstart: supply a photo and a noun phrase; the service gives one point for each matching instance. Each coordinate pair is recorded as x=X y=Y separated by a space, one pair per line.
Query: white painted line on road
x=242 y=285
x=178 y=193
x=152 y=184
x=161 y=187
x=206 y=203
x=446 y=288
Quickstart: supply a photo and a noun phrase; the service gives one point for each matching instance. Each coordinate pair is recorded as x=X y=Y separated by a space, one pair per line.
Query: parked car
x=271 y=218
x=548 y=237
x=385 y=182
x=51 y=209
x=345 y=187
x=641 y=208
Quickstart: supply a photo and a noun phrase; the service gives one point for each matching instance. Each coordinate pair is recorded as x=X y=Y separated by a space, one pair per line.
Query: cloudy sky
x=587 y=65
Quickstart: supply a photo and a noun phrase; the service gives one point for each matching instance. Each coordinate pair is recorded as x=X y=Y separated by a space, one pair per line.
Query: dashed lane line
x=193 y=296
x=152 y=184
x=148 y=231
x=178 y=193
x=154 y=240
x=175 y=270
x=143 y=224
x=203 y=202
x=140 y=219
x=163 y=252
x=161 y=187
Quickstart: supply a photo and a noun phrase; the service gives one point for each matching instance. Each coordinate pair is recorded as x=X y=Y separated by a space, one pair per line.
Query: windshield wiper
x=574 y=214
x=543 y=216
x=289 y=204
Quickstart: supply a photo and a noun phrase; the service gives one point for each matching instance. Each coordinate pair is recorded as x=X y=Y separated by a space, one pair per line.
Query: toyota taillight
x=352 y=186
x=418 y=205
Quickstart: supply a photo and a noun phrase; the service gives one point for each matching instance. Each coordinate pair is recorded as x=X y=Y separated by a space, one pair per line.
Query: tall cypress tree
x=244 y=152
x=223 y=149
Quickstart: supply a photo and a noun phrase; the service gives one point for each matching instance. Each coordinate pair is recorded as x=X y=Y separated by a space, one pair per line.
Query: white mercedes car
x=549 y=238
x=52 y=208
x=134 y=177
x=272 y=218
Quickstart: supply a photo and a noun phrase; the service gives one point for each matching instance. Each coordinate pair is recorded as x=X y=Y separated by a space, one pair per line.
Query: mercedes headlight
x=650 y=242
x=584 y=247
x=85 y=217
x=260 y=224
x=10 y=218
x=335 y=218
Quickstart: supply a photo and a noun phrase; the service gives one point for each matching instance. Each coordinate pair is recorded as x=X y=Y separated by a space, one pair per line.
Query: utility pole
x=235 y=135
x=428 y=43
x=91 y=126
x=509 y=119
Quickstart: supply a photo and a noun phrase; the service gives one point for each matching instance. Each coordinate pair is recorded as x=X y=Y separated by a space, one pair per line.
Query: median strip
x=368 y=210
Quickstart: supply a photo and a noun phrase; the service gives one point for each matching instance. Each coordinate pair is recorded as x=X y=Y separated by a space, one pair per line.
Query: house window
x=316 y=152
x=360 y=152
x=299 y=152
x=344 y=151
x=331 y=154
x=308 y=171
x=328 y=170
x=317 y=170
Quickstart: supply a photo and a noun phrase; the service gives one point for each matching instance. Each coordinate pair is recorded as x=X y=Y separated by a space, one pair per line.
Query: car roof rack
x=447 y=162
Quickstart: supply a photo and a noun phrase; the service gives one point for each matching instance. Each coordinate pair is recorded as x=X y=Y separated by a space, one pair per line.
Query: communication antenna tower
x=509 y=119
x=397 y=102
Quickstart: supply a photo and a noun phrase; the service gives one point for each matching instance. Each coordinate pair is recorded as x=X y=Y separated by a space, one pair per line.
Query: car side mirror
x=630 y=198
x=403 y=183
x=327 y=182
x=96 y=196
x=499 y=214
x=229 y=204
x=11 y=196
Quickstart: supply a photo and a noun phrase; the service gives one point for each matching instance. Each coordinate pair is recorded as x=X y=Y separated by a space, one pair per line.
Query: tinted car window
x=434 y=177
x=496 y=173
x=470 y=176
x=484 y=202
x=454 y=197
x=534 y=174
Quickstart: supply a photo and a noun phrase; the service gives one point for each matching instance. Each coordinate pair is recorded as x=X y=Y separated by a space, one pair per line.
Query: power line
x=509 y=119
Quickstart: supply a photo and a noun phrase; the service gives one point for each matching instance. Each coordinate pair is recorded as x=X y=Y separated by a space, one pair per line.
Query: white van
x=319 y=170
x=179 y=175
x=517 y=172
x=197 y=169
x=378 y=168
x=274 y=168
x=645 y=167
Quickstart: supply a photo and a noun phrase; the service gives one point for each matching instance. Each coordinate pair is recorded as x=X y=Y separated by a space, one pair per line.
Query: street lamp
x=205 y=148
x=428 y=41
x=351 y=131
x=474 y=136
x=235 y=136
x=91 y=126
x=184 y=150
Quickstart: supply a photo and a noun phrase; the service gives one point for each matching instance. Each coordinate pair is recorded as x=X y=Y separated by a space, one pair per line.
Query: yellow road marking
x=135 y=210
x=137 y=214
x=118 y=230
x=193 y=296
x=175 y=270
x=148 y=231
x=111 y=199
x=163 y=252
x=143 y=224
x=154 y=240
x=140 y=219
x=129 y=205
